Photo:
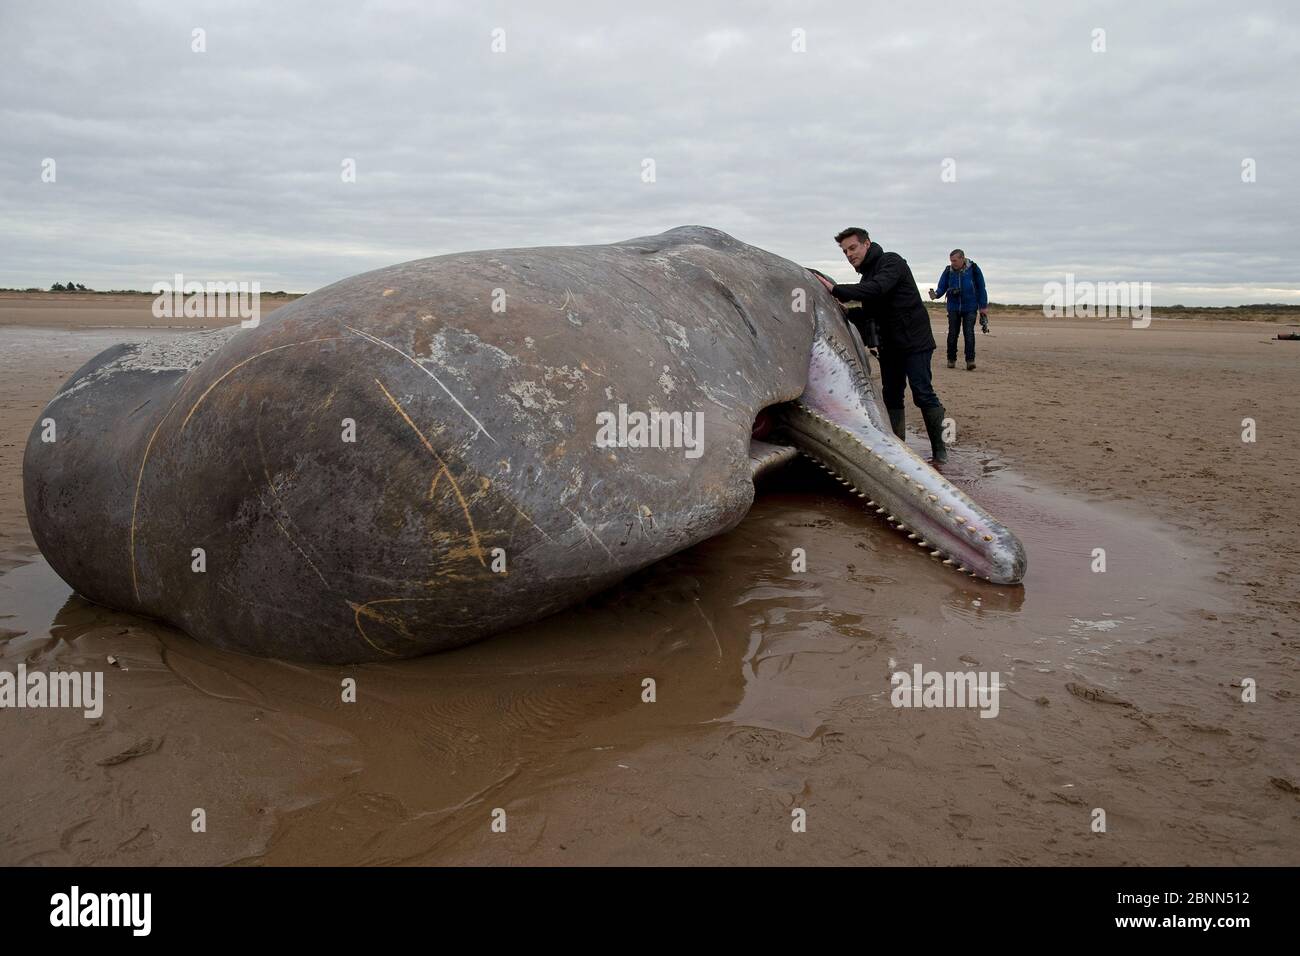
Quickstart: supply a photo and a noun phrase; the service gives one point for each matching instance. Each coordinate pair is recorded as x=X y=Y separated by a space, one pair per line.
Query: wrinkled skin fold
x=393 y=466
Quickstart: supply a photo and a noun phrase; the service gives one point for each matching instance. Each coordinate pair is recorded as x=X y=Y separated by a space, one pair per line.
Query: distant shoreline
x=128 y=300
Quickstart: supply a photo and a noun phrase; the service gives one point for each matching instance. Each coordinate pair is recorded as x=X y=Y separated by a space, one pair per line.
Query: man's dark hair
x=956 y=252
x=853 y=231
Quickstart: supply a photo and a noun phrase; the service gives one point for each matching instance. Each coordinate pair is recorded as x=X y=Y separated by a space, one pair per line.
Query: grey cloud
x=1116 y=166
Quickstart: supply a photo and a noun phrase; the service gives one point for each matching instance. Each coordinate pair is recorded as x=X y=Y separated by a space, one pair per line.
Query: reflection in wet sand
x=287 y=772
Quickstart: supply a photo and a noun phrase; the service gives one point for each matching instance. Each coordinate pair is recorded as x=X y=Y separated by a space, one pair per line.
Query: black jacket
x=889 y=295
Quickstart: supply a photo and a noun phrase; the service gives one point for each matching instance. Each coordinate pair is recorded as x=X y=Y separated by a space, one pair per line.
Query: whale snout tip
x=1007 y=563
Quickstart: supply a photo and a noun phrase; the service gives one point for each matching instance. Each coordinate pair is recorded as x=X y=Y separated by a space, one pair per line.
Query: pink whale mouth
x=838 y=423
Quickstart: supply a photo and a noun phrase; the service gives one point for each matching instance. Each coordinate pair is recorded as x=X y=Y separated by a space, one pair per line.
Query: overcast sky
x=1123 y=165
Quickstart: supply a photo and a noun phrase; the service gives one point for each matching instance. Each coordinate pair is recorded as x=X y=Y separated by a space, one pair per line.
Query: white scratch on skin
x=270 y=485
x=524 y=515
x=378 y=341
x=710 y=624
x=311 y=564
x=591 y=535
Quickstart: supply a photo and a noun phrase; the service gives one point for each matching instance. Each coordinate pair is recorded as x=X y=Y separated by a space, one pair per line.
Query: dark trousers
x=965 y=323
x=909 y=368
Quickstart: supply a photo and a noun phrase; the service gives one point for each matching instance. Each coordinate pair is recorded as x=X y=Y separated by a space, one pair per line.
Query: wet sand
x=772 y=685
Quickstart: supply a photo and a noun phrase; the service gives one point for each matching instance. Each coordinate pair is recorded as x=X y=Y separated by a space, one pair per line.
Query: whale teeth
x=933 y=497
x=946 y=508
x=924 y=544
x=948 y=561
x=971 y=528
x=935 y=554
x=911 y=537
x=988 y=537
x=880 y=511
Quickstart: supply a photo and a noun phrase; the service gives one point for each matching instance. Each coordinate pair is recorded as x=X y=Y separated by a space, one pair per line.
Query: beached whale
x=420 y=456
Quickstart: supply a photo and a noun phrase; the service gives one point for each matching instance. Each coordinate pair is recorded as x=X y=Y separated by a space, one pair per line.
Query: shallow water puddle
x=727 y=631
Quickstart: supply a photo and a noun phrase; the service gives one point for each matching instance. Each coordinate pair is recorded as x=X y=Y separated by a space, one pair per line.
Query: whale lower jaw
x=838 y=424
x=910 y=495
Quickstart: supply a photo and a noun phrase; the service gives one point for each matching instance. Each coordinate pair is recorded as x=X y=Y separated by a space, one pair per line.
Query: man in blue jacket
x=963 y=284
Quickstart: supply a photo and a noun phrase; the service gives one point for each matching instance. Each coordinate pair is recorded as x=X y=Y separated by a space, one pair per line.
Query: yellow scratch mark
x=388 y=292
x=359 y=609
x=237 y=367
x=135 y=503
x=396 y=623
x=464 y=505
x=410 y=358
x=433 y=485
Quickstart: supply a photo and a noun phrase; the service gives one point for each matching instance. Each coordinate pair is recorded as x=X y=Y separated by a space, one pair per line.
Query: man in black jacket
x=888 y=294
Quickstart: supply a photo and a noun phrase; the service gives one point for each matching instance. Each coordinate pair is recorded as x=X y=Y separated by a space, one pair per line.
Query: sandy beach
x=1122 y=690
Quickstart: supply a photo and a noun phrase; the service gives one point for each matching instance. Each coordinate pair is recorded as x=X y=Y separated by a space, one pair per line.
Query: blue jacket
x=965 y=289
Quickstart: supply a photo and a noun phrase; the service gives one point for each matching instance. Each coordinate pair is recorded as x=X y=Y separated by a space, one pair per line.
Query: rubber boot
x=934 y=427
x=898 y=422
